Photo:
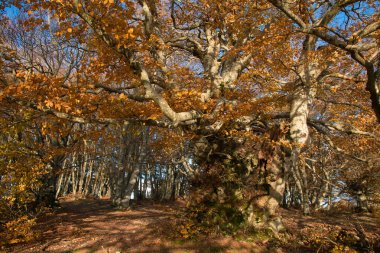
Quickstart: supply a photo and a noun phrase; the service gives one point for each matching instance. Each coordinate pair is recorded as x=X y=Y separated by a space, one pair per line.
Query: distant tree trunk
x=145 y=184
x=141 y=186
x=59 y=184
x=47 y=193
x=329 y=200
x=118 y=173
x=83 y=168
x=104 y=188
x=66 y=184
x=74 y=181
x=89 y=178
x=168 y=186
x=159 y=183
x=323 y=190
x=99 y=180
x=119 y=185
x=151 y=182
x=173 y=195
x=125 y=201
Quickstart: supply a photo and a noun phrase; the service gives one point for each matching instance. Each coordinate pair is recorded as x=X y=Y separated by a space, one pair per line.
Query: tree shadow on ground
x=90 y=225
x=94 y=226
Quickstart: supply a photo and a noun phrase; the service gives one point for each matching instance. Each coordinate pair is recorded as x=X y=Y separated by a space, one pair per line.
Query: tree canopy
x=244 y=106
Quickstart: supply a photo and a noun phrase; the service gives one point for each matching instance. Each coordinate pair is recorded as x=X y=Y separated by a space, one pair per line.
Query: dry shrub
x=17 y=230
x=342 y=206
x=330 y=238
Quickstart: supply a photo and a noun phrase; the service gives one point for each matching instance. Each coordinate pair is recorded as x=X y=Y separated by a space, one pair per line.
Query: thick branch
x=94 y=120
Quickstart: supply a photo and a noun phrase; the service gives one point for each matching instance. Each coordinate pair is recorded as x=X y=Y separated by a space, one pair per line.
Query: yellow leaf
x=48 y=103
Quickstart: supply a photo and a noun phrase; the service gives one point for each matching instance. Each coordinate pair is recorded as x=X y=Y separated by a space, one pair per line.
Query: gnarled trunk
x=240 y=183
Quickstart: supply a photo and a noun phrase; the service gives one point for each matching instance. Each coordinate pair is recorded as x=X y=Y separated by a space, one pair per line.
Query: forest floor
x=89 y=225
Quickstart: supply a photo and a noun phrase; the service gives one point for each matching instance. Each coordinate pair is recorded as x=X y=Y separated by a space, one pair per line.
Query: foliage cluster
x=329 y=238
x=264 y=103
x=21 y=172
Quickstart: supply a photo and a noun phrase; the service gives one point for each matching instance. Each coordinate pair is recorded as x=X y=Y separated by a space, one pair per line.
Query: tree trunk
x=241 y=182
x=89 y=178
x=125 y=201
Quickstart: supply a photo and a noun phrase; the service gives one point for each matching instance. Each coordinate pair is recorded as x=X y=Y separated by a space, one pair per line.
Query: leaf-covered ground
x=94 y=226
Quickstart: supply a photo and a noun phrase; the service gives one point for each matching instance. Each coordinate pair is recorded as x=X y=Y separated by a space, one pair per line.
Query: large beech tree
x=249 y=81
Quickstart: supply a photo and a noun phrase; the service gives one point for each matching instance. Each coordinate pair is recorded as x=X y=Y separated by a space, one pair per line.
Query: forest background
x=239 y=107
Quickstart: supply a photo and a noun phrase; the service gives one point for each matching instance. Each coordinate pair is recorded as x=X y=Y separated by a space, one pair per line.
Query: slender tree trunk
x=89 y=178
x=60 y=180
x=125 y=202
x=173 y=195
x=83 y=169
x=66 y=185
x=145 y=185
